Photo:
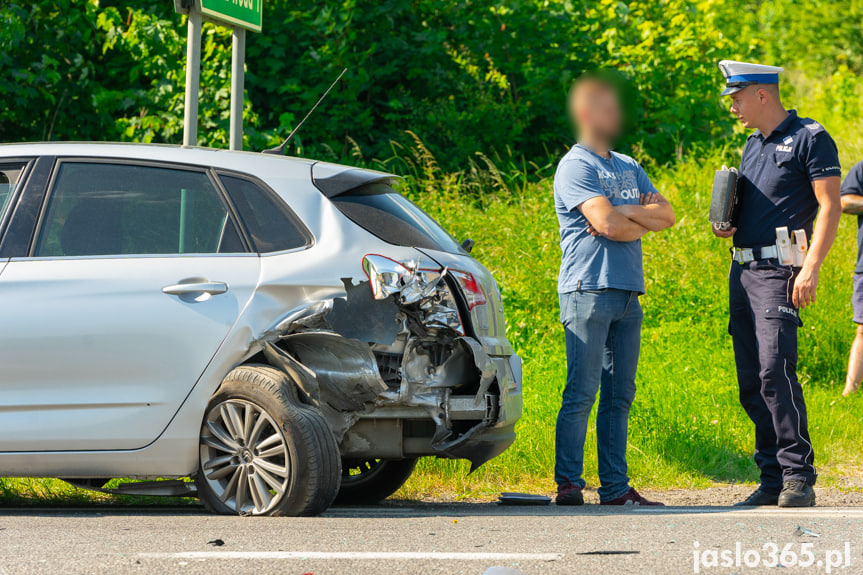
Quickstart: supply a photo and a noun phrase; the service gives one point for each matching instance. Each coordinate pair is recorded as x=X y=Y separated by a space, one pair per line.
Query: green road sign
x=243 y=13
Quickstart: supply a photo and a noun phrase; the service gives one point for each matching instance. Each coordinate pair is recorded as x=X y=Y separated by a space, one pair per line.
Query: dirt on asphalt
x=731 y=494
x=717 y=496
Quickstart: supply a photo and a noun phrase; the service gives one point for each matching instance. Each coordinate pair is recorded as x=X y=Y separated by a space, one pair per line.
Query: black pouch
x=724 y=201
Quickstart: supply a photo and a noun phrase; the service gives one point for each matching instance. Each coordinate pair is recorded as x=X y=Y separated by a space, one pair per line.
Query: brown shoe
x=632 y=497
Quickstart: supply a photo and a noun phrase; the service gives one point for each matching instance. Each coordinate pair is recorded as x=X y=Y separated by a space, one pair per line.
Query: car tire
x=261 y=452
x=370 y=481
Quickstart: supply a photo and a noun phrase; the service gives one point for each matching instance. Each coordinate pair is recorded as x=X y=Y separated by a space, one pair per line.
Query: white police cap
x=738 y=75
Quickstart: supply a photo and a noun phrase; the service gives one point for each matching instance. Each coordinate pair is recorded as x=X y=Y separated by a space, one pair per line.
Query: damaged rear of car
x=411 y=360
x=356 y=334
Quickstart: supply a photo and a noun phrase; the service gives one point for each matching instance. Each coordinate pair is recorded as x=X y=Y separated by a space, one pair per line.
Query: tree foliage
x=465 y=76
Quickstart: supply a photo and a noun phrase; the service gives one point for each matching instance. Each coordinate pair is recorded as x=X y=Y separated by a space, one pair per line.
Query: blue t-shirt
x=587 y=262
x=853 y=184
x=777 y=172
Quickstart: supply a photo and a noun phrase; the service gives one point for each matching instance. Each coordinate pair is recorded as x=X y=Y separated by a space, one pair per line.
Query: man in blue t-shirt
x=852 y=203
x=605 y=203
x=789 y=173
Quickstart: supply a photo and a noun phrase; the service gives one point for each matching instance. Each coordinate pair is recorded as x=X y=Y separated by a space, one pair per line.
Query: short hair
x=772 y=89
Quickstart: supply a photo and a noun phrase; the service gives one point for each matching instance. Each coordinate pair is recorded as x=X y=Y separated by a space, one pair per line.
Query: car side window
x=272 y=226
x=9 y=176
x=115 y=209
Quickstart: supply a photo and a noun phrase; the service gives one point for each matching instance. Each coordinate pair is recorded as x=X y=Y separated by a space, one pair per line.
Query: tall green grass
x=687 y=428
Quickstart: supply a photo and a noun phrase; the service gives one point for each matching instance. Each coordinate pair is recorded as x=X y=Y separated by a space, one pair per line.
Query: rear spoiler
x=333 y=180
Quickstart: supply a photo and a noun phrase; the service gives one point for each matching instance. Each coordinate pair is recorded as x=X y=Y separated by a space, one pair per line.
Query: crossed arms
x=627 y=223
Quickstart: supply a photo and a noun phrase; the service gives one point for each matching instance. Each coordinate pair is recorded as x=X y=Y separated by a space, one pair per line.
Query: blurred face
x=747 y=105
x=596 y=109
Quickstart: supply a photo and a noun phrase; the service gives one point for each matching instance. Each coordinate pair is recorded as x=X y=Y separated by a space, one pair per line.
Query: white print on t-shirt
x=622 y=186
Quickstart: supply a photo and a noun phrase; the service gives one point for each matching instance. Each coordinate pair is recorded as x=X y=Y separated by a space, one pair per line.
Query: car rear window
x=382 y=211
x=272 y=225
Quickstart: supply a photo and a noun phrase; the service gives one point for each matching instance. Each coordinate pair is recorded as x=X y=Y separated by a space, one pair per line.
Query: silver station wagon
x=288 y=333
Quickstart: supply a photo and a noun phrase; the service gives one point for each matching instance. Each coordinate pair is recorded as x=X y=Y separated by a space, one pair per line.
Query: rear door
x=135 y=275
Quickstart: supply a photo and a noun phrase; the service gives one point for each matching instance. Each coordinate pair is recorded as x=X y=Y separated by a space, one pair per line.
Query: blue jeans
x=603 y=340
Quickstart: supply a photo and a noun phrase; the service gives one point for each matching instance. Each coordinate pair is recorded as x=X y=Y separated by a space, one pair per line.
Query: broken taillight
x=386 y=276
x=473 y=293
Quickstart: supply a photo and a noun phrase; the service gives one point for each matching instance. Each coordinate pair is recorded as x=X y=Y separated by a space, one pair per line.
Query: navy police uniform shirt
x=853 y=184
x=777 y=172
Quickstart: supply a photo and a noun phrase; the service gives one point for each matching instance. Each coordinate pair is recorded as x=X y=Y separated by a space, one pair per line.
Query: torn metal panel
x=362 y=317
x=421 y=293
x=345 y=369
x=302 y=376
x=312 y=317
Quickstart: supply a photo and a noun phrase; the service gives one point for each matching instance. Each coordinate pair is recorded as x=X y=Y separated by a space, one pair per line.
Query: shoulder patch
x=811 y=125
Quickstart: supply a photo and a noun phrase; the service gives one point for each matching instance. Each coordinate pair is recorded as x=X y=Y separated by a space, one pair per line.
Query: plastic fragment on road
x=523 y=499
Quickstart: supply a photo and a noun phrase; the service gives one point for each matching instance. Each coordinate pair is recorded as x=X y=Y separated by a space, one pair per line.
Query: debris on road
x=523 y=499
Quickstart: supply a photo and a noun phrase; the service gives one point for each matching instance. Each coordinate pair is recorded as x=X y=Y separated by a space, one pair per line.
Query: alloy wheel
x=244 y=457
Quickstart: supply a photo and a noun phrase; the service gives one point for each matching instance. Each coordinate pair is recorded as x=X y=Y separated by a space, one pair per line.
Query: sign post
x=241 y=15
x=193 y=79
x=238 y=75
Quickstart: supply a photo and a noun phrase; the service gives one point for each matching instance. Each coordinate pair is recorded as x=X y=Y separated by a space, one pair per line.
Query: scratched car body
x=285 y=332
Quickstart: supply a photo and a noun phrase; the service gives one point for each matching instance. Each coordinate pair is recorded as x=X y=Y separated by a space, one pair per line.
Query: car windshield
x=379 y=209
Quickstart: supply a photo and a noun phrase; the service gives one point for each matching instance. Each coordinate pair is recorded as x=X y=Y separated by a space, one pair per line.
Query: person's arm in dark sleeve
x=852 y=191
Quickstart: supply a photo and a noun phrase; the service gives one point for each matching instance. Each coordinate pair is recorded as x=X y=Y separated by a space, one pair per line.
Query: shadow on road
x=388 y=510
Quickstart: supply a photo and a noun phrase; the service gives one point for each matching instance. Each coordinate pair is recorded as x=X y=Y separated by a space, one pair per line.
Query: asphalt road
x=433 y=538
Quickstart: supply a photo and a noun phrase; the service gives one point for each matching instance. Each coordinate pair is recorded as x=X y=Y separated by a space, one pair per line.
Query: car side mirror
x=468 y=245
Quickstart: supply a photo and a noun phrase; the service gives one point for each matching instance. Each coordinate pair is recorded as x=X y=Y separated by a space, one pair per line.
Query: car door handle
x=212 y=288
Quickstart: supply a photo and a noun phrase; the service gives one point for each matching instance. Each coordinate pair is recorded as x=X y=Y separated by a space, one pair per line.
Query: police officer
x=789 y=169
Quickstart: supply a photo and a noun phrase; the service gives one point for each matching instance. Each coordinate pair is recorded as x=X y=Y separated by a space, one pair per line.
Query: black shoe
x=797 y=493
x=569 y=495
x=758 y=498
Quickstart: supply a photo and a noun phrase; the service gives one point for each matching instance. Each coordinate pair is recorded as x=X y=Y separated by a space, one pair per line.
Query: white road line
x=357 y=555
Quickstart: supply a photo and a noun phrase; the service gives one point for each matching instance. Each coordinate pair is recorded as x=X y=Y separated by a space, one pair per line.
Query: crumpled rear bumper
x=396 y=375
x=485 y=424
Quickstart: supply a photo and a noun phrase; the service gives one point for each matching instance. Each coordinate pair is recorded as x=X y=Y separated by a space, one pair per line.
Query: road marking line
x=357 y=555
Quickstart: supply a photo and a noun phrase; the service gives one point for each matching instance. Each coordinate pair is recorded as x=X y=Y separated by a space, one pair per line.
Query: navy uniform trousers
x=763 y=325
